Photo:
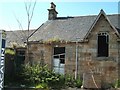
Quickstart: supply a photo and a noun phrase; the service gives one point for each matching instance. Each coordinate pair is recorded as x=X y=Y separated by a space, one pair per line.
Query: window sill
x=105 y=59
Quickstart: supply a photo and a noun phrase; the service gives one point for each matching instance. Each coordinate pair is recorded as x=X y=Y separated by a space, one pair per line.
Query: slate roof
x=63 y=28
x=115 y=20
x=17 y=37
x=69 y=28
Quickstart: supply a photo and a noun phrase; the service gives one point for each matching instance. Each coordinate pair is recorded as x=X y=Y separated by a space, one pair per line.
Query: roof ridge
x=83 y=16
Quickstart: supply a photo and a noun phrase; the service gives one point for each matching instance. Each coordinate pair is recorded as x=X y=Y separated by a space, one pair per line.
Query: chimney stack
x=52 y=13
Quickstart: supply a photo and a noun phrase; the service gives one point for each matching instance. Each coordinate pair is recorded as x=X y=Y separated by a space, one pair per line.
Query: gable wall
x=102 y=26
x=105 y=66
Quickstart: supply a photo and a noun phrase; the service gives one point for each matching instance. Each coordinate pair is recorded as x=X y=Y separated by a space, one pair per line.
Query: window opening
x=103 y=46
x=59 y=52
x=59 y=59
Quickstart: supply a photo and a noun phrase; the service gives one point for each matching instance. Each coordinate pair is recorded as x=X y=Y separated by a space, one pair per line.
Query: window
x=103 y=44
x=59 y=59
x=59 y=52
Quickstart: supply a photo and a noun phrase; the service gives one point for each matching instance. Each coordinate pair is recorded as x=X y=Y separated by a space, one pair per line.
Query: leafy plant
x=116 y=84
x=10 y=52
x=31 y=74
x=70 y=81
x=56 y=81
x=78 y=83
x=42 y=86
x=41 y=77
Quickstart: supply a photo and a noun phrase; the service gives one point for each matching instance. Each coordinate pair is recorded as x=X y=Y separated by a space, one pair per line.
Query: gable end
x=102 y=13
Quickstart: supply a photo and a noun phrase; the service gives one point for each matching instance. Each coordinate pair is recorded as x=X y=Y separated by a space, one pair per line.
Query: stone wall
x=106 y=68
x=99 y=73
x=41 y=53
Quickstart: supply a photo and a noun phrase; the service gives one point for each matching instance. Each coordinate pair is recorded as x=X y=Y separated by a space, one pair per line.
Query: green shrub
x=78 y=83
x=116 y=84
x=10 y=52
x=31 y=74
x=70 y=81
x=42 y=86
x=56 y=81
x=35 y=75
x=41 y=77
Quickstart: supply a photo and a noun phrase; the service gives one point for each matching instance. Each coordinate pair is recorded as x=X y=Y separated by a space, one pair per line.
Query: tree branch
x=33 y=11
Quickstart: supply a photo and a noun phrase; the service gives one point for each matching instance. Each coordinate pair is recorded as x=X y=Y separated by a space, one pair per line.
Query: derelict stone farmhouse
x=82 y=46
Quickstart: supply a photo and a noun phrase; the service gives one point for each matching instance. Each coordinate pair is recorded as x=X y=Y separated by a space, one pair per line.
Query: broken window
x=59 y=59
x=103 y=46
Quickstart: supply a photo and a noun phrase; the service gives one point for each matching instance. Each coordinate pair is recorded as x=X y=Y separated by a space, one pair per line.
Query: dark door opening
x=103 y=45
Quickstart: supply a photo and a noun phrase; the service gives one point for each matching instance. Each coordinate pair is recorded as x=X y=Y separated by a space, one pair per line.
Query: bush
x=41 y=77
x=56 y=81
x=69 y=81
x=72 y=82
x=116 y=84
x=42 y=86
x=30 y=74
x=10 y=51
x=78 y=83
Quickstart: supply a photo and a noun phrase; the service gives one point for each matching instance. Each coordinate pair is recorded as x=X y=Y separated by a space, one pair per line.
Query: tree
x=30 y=11
x=29 y=7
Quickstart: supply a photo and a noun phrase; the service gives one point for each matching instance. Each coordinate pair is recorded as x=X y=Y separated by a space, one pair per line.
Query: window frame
x=59 y=54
